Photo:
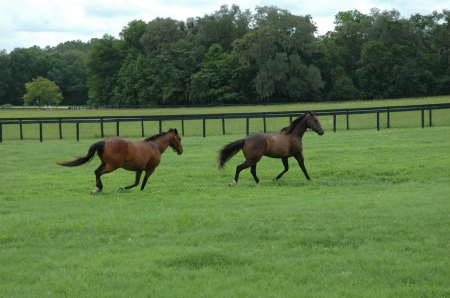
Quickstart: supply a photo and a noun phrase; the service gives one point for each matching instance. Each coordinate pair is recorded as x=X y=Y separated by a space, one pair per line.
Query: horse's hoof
x=233 y=183
x=95 y=190
x=120 y=189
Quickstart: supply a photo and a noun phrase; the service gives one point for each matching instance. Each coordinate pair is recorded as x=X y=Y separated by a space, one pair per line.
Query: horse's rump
x=228 y=151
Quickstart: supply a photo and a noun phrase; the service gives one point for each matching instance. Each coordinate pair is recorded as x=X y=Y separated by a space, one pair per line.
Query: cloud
x=25 y=23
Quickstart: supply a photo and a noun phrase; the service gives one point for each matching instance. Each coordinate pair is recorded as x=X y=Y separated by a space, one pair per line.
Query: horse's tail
x=228 y=151
x=95 y=148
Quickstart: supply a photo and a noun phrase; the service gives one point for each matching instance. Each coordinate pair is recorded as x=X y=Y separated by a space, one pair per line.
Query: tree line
x=234 y=57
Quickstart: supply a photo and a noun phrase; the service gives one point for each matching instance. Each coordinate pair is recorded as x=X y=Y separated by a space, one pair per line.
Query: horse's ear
x=311 y=113
x=175 y=130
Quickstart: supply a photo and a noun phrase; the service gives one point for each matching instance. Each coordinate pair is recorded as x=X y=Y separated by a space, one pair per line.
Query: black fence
x=426 y=115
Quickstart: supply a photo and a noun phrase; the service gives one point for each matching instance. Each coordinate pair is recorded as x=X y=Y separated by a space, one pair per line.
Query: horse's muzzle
x=320 y=133
x=180 y=152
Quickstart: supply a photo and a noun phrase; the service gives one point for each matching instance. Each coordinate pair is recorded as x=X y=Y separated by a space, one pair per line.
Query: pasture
x=373 y=222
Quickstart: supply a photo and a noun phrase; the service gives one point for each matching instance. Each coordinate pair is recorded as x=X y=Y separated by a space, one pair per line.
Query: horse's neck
x=162 y=142
x=299 y=129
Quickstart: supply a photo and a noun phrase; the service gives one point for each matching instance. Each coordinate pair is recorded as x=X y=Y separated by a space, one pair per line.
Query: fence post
x=378 y=120
x=334 y=122
x=348 y=124
x=423 y=118
x=223 y=124
x=60 y=129
x=1 y=133
x=20 y=127
x=248 y=125
x=388 y=118
x=431 y=123
x=117 y=127
x=160 y=126
x=264 y=121
x=40 y=131
x=142 y=126
x=102 y=132
x=78 y=130
x=182 y=126
x=204 y=127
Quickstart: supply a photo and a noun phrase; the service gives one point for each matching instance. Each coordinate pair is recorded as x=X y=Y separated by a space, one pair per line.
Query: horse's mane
x=152 y=138
x=294 y=124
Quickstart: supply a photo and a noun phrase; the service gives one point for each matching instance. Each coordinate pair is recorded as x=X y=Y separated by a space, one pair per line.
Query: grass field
x=373 y=222
x=20 y=113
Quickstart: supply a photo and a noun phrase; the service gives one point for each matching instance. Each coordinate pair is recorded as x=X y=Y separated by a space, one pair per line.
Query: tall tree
x=5 y=79
x=103 y=63
x=281 y=47
x=25 y=65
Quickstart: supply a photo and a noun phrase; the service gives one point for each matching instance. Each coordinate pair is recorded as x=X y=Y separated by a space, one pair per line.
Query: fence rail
x=23 y=122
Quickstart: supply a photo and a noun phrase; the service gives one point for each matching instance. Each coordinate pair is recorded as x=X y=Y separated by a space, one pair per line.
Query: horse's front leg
x=286 y=168
x=136 y=181
x=301 y=163
x=147 y=174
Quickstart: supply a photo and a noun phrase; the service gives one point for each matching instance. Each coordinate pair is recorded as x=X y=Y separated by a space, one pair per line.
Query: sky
x=27 y=23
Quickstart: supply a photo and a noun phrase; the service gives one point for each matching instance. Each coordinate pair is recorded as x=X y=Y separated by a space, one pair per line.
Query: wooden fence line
x=223 y=116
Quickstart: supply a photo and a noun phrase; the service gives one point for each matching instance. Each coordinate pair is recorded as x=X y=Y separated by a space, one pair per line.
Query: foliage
x=239 y=56
x=42 y=92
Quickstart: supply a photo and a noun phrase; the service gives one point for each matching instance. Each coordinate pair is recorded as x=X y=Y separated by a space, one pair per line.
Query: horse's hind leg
x=102 y=169
x=253 y=171
x=286 y=168
x=239 y=168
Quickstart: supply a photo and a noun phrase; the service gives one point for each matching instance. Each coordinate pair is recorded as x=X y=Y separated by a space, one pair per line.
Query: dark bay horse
x=283 y=144
x=137 y=156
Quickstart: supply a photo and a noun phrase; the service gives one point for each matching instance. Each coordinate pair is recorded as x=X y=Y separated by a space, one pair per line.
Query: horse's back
x=275 y=145
x=130 y=155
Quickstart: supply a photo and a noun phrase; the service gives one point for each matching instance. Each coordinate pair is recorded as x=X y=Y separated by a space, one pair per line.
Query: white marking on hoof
x=95 y=190
x=233 y=183
x=120 y=189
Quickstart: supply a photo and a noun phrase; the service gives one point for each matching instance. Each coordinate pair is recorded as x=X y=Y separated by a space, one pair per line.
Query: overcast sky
x=25 y=23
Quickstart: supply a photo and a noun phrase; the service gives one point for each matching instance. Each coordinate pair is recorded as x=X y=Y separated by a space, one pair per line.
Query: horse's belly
x=139 y=165
x=278 y=153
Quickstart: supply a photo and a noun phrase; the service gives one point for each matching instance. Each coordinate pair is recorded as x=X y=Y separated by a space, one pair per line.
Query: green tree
x=5 y=79
x=216 y=83
x=222 y=27
x=25 y=64
x=42 y=92
x=103 y=63
x=281 y=48
x=160 y=34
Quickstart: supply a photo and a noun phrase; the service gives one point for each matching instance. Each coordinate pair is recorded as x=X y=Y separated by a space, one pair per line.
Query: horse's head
x=314 y=123
x=175 y=142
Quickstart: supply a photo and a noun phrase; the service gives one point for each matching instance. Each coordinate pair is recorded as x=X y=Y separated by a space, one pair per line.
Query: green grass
x=373 y=222
x=20 y=113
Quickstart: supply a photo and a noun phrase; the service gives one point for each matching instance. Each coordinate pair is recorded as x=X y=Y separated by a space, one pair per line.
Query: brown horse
x=137 y=156
x=283 y=144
